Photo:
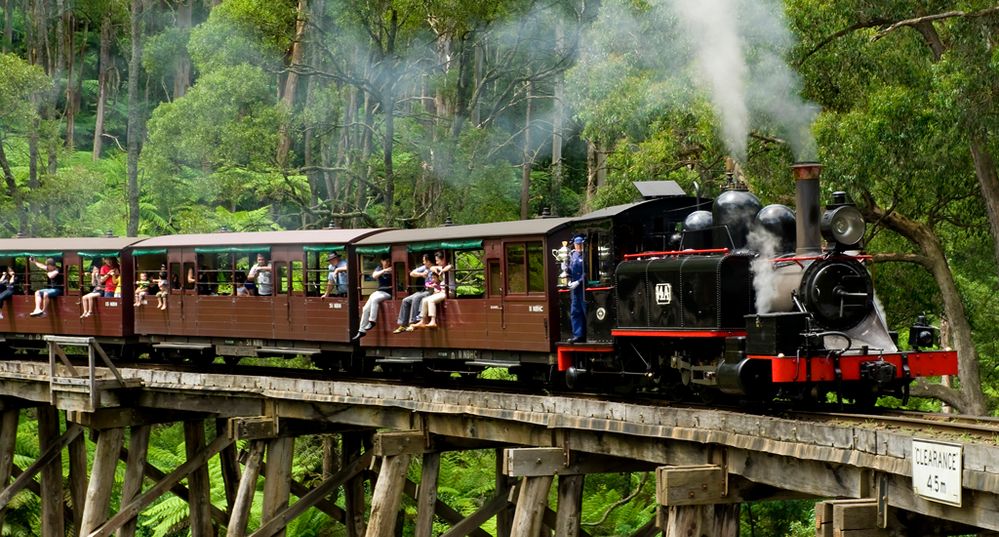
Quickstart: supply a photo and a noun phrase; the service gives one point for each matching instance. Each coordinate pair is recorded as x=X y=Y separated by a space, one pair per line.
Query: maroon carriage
x=216 y=305
x=111 y=320
x=500 y=309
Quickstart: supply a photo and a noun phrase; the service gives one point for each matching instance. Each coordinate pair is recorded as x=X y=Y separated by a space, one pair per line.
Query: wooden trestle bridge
x=707 y=462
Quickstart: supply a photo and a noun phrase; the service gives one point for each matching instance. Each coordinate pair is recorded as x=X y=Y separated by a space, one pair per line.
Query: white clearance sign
x=936 y=471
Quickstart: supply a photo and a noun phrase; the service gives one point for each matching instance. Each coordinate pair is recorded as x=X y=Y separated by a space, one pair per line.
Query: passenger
x=8 y=286
x=116 y=276
x=108 y=272
x=336 y=274
x=369 y=315
x=164 y=291
x=204 y=286
x=243 y=287
x=142 y=288
x=53 y=288
x=260 y=273
x=154 y=281
x=409 y=311
x=428 y=309
x=577 y=295
x=96 y=291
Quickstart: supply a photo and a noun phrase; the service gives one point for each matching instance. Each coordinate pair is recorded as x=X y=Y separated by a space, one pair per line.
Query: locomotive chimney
x=809 y=238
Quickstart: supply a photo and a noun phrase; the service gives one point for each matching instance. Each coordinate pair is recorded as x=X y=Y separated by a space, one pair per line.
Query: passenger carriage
x=206 y=316
x=112 y=319
x=501 y=310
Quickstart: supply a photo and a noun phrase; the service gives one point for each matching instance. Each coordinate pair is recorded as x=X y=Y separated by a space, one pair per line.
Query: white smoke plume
x=740 y=48
x=765 y=278
x=732 y=52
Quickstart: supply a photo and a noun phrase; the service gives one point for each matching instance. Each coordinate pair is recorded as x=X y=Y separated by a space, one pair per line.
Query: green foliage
x=20 y=84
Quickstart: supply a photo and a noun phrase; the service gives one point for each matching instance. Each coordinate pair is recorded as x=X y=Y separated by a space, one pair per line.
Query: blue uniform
x=577 y=311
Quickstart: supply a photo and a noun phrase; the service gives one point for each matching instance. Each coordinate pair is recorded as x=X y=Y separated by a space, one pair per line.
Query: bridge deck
x=818 y=459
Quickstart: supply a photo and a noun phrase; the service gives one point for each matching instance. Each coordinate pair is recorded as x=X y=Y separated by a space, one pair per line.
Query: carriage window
x=516 y=276
x=400 y=276
x=281 y=277
x=73 y=278
x=297 y=283
x=368 y=265
x=175 y=280
x=316 y=269
x=525 y=270
x=469 y=273
x=495 y=278
x=535 y=268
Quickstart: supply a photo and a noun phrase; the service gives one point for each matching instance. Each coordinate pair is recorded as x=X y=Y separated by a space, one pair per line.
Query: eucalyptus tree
x=908 y=131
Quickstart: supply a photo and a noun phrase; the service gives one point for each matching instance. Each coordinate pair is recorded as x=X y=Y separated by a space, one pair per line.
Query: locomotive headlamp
x=921 y=334
x=843 y=225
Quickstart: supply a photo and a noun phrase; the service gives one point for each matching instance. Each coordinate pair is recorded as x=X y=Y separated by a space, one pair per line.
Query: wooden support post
x=277 y=487
x=8 y=436
x=229 y=465
x=719 y=520
x=531 y=505
x=313 y=497
x=570 y=505
x=353 y=491
x=504 y=518
x=135 y=471
x=78 y=480
x=240 y=515
x=426 y=500
x=387 y=495
x=53 y=524
x=95 y=511
x=200 y=501
x=848 y=518
x=133 y=508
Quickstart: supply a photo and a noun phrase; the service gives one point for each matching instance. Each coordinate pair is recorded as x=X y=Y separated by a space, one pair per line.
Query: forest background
x=149 y=117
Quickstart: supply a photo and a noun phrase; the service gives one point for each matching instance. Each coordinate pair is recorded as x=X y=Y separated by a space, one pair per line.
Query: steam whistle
x=562 y=256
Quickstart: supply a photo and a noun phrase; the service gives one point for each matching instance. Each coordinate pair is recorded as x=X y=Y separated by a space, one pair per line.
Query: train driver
x=577 y=287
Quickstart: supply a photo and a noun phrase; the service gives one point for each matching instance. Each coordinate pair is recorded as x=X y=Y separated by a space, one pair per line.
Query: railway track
x=945 y=426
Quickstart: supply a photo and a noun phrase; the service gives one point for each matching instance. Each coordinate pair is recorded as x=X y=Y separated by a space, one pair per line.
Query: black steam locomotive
x=747 y=301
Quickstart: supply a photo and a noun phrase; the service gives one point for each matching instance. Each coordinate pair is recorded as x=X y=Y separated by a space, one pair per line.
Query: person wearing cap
x=336 y=273
x=577 y=287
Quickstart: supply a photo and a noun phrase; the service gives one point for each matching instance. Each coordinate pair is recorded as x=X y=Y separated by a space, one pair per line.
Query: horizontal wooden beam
x=537 y=462
x=691 y=485
x=389 y=444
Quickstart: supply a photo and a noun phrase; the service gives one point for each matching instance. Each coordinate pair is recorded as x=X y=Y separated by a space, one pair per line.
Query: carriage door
x=494 y=298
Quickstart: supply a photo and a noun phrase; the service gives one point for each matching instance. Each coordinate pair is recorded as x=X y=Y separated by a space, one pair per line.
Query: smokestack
x=809 y=238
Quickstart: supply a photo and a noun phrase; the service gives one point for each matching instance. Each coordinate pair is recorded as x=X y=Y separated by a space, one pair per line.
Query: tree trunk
x=988 y=181
x=182 y=76
x=69 y=56
x=104 y=67
x=134 y=117
x=8 y=25
x=387 y=147
x=525 y=170
x=291 y=83
x=971 y=400
x=557 y=128
x=12 y=191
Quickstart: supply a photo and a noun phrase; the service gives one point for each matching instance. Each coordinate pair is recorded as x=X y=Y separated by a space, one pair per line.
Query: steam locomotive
x=749 y=303
x=684 y=295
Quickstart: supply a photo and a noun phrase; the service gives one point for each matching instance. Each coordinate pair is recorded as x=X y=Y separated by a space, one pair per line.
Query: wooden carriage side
x=500 y=307
x=74 y=256
x=207 y=312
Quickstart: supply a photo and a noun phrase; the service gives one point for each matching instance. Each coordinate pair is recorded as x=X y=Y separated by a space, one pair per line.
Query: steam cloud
x=733 y=51
x=764 y=276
